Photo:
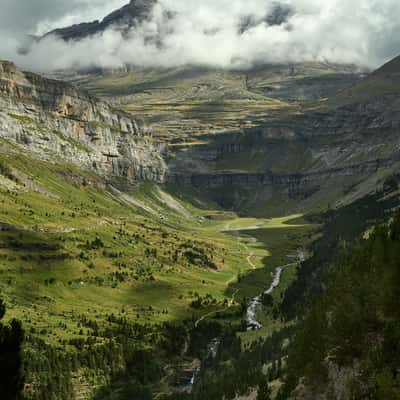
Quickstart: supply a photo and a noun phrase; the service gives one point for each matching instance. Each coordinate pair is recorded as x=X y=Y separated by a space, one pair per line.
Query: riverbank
x=273 y=233
x=256 y=303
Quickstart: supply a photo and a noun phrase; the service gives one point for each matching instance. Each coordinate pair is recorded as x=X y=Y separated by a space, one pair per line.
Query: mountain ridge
x=137 y=11
x=127 y=16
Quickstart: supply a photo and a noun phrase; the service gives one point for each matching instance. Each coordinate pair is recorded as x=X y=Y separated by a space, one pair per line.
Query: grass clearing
x=69 y=251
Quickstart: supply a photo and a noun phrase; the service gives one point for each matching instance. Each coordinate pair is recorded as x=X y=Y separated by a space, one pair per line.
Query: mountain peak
x=129 y=15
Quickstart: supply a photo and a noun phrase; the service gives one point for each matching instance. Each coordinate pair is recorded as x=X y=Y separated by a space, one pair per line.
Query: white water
x=251 y=313
x=255 y=303
x=211 y=352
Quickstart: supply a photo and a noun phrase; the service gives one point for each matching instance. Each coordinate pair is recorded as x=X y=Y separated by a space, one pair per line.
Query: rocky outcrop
x=126 y=17
x=290 y=180
x=55 y=121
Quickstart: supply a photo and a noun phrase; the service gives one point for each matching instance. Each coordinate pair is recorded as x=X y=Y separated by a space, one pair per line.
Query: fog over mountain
x=222 y=33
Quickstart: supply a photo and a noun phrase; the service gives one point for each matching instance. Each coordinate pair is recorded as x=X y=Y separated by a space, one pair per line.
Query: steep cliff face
x=297 y=161
x=53 y=120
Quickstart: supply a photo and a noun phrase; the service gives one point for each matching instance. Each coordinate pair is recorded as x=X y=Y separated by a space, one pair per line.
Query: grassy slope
x=185 y=103
x=47 y=271
x=383 y=82
x=49 y=275
x=50 y=288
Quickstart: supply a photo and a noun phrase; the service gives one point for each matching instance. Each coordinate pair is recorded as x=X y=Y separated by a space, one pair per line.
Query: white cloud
x=208 y=33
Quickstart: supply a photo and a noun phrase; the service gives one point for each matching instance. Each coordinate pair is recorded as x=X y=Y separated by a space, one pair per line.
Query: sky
x=206 y=32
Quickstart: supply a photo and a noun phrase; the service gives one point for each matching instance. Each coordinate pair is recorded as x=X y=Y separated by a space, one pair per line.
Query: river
x=251 y=312
x=255 y=303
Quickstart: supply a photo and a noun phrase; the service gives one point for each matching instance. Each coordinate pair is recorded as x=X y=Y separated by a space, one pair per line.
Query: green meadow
x=71 y=247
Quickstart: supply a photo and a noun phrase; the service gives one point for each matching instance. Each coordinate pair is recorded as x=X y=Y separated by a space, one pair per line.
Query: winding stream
x=252 y=308
x=251 y=319
x=255 y=303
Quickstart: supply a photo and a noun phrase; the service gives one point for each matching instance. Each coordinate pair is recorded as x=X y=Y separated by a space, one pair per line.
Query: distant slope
x=385 y=81
x=390 y=68
x=95 y=274
x=183 y=103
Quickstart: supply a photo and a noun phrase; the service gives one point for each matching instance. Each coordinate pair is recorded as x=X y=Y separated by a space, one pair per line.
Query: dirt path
x=227 y=228
x=205 y=316
x=251 y=254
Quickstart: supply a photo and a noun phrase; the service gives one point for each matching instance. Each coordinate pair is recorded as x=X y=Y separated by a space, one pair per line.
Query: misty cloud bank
x=214 y=33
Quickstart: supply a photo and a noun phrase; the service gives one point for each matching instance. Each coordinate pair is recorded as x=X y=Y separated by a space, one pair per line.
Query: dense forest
x=355 y=325
x=346 y=318
x=341 y=228
x=131 y=355
x=234 y=371
x=11 y=371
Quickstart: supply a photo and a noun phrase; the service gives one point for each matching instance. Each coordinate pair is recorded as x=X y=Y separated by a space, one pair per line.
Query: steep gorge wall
x=308 y=159
x=54 y=120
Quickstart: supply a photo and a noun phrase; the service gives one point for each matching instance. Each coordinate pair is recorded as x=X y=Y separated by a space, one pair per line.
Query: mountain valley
x=194 y=232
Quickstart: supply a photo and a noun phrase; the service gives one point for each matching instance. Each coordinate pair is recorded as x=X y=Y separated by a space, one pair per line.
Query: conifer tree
x=11 y=338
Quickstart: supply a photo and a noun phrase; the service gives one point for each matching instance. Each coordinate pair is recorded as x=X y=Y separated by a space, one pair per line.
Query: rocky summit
x=124 y=18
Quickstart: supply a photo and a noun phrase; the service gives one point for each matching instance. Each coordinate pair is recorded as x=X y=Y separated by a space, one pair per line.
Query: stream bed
x=255 y=303
x=251 y=316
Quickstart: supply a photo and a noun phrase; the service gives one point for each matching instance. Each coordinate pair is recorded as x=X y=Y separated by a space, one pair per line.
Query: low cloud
x=218 y=33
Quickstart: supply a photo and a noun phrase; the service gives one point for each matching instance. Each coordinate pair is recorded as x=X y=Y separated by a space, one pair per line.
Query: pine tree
x=11 y=338
x=264 y=392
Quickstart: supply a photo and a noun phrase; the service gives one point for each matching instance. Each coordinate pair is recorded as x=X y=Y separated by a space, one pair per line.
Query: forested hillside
x=348 y=345
x=11 y=371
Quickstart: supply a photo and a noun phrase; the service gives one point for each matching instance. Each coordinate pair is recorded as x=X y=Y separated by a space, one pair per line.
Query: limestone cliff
x=295 y=162
x=54 y=121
